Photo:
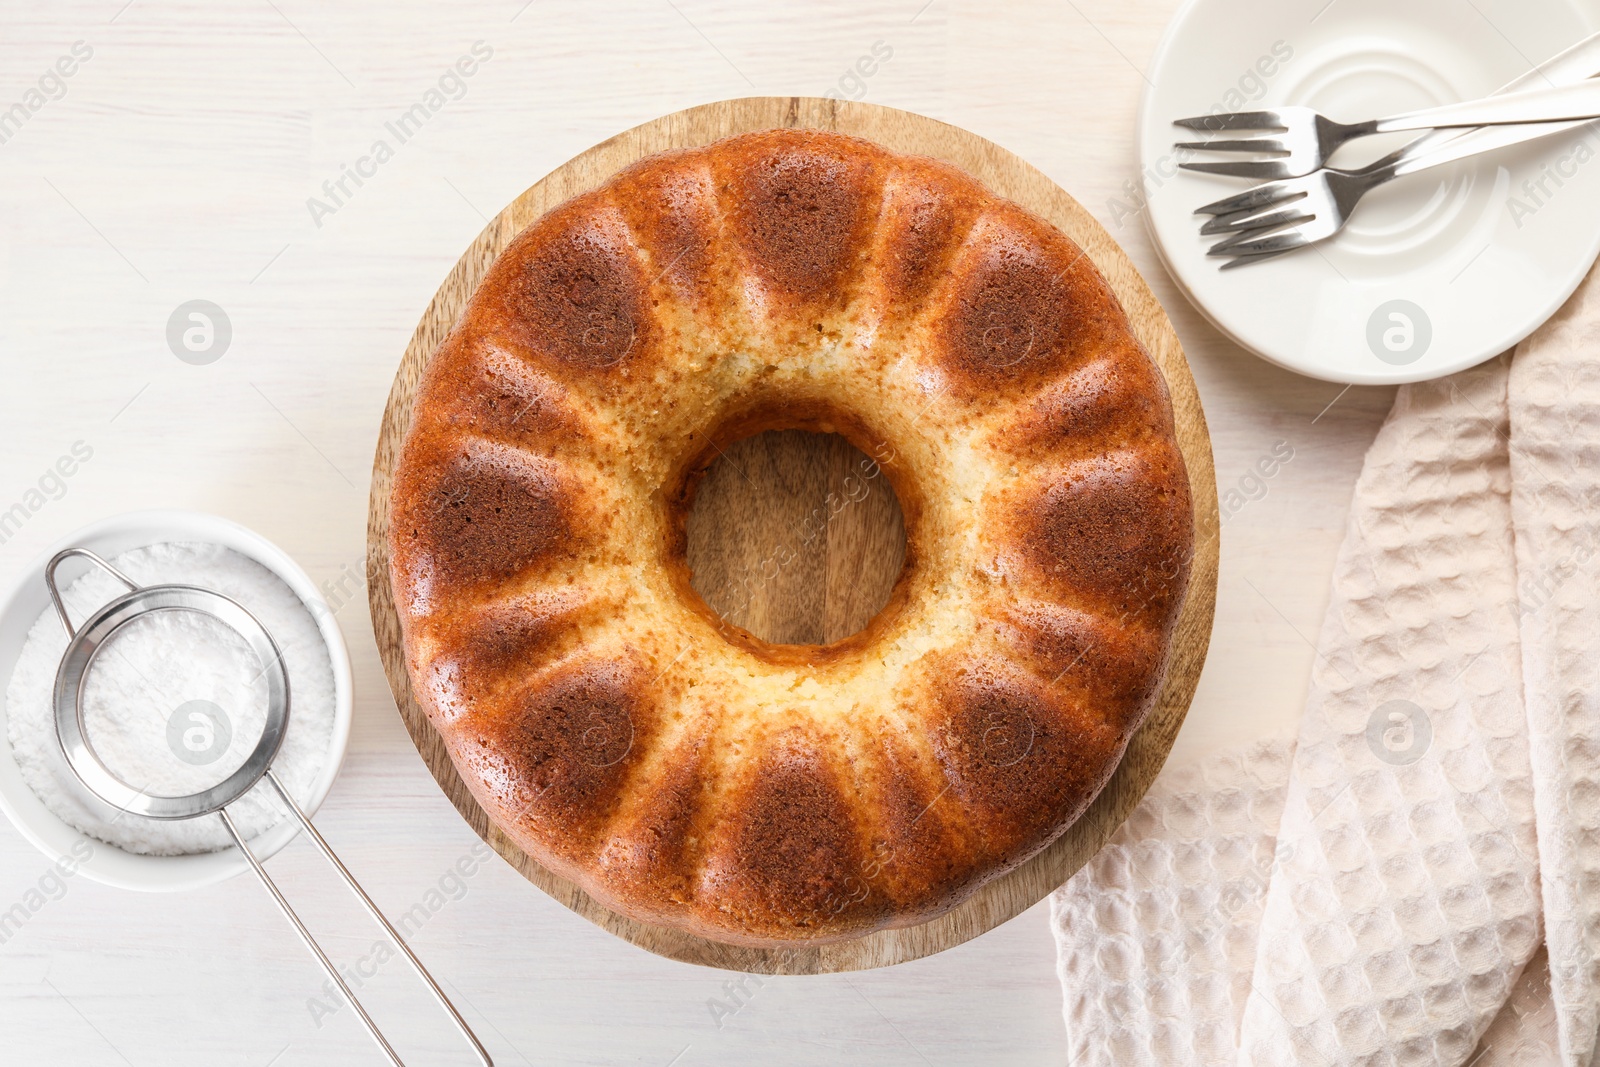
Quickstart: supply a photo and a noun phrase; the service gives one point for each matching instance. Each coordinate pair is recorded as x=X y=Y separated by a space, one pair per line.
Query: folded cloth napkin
x=1157 y=934
x=1555 y=501
x=1392 y=905
x=1410 y=903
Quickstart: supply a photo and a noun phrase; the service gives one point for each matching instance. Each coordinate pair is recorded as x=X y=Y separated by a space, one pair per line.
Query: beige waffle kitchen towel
x=1157 y=934
x=1410 y=904
x=1400 y=902
x=1524 y=1033
x=1555 y=503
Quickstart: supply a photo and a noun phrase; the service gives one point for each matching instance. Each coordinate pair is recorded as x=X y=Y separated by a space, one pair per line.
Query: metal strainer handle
x=55 y=594
x=311 y=943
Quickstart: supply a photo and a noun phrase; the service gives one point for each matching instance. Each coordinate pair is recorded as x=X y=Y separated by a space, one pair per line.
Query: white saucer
x=1435 y=272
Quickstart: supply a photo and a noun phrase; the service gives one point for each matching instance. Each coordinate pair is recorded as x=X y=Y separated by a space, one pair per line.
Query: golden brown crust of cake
x=681 y=770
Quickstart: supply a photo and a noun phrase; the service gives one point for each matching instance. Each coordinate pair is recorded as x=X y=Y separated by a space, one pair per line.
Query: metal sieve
x=84 y=645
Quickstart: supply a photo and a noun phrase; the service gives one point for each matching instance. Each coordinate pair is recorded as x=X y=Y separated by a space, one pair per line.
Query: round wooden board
x=1006 y=174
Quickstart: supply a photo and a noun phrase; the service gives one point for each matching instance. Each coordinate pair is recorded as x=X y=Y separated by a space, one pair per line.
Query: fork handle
x=1560 y=104
x=1484 y=140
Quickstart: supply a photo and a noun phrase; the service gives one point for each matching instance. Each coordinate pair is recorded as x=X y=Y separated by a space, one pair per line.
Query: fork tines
x=1253 y=198
x=1268 y=145
x=1236 y=120
x=1271 y=217
x=1253 y=245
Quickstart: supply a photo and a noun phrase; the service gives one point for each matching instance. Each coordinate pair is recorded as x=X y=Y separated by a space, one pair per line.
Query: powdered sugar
x=177 y=700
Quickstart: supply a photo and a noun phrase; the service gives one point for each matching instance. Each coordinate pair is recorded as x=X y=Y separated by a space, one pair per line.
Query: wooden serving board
x=833 y=590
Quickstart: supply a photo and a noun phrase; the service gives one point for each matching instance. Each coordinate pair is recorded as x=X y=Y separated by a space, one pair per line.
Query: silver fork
x=1307 y=138
x=1250 y=210
x=1317 y=206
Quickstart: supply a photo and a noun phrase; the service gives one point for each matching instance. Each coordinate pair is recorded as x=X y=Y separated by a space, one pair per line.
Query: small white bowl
x=19 y=609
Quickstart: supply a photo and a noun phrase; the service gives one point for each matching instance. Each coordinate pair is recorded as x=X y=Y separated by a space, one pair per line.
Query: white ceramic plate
x=1435 y=272
x=22 y=604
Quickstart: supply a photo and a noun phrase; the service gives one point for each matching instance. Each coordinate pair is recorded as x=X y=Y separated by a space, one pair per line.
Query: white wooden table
x=177 y=165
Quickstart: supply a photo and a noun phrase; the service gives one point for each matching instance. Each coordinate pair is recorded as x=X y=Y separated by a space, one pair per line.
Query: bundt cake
x=681 y=770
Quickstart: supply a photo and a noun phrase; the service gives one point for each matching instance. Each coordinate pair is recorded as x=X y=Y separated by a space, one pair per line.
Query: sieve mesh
x=173 y=701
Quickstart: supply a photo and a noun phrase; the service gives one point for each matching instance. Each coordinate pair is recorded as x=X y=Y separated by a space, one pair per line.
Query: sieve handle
x=316 y=949
x=394 y=935
x=311 y=942
x=55 y=594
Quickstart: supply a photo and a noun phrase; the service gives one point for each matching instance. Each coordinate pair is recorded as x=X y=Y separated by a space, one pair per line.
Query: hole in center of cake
x=796 y=537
